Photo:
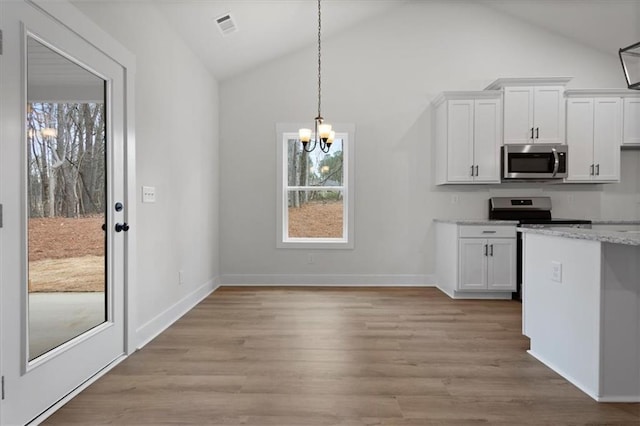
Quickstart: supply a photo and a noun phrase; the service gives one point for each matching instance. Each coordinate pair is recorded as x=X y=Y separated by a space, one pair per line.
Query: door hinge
x=3 y=388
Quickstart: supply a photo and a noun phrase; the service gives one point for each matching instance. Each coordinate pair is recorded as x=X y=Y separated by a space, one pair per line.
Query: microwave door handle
x=556 y=162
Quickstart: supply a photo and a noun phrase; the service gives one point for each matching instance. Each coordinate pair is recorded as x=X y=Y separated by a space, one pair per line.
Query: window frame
x=285 y=132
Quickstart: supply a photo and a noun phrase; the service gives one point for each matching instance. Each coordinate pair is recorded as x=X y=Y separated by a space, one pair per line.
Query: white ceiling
x=268 y=29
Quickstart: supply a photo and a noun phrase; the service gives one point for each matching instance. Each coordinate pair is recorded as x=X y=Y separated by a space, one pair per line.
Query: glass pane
x=66 y=199
x=316 y=214
x=314 y=168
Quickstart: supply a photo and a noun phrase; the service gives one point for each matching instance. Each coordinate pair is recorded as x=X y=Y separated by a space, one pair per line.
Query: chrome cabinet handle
x=491 y=249
x=477 y=170
x=486 y=250
x=537 y=132
x=488 y=232
x=591 y=170
x=597 y=169
x=532 y=133
x=472 y=170
x=556 y=162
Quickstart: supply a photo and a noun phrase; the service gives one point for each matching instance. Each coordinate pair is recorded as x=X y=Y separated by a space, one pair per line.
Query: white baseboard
x=329 y=280
x=150 y=330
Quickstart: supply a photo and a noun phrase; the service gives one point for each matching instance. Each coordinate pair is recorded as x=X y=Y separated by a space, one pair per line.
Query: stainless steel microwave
x=534 y=162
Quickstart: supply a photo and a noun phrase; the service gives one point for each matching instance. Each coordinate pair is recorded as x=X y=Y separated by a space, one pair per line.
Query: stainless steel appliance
x=528 y=211
x=534 y=162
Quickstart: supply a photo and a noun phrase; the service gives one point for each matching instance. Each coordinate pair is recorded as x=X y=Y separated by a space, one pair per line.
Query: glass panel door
x=66 y=175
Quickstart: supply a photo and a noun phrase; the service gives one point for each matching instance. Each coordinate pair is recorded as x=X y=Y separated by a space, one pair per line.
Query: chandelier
x=630 y=59
x=322 y=134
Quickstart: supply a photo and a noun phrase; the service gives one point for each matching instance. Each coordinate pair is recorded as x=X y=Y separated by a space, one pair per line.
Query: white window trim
x=348 y=132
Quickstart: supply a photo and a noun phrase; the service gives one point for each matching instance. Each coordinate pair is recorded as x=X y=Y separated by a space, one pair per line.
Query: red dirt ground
x=316 y=219
x=62 y=238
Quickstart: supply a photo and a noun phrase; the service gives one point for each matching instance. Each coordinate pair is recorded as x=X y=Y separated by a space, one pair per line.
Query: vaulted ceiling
x=268 y=29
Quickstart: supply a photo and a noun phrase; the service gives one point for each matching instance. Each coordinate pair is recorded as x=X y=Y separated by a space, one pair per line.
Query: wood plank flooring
x=339 y=356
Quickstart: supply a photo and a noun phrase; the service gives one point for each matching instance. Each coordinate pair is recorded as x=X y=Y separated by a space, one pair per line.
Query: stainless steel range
x=528 y=211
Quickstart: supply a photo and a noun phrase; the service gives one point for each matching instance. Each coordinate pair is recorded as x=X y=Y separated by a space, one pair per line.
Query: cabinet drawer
x=487 y=231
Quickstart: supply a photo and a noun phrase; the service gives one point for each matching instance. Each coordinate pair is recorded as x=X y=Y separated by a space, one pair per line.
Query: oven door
x=540 y=161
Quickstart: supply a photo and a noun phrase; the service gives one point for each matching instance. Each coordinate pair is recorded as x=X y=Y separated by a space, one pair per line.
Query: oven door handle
x=556 y=162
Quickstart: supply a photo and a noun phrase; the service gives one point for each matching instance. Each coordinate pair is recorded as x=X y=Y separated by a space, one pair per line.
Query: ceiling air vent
x=226 y=25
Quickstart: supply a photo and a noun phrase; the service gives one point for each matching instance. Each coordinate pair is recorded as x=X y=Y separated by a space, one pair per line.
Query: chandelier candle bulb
x=324 y=130
x=305 y=135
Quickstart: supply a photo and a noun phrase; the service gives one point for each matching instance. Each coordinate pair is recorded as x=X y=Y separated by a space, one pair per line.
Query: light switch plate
x=556 y=272
x=148 y=194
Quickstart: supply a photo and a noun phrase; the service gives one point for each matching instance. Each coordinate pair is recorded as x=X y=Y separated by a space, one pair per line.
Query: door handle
x=537 y=132
x=556 y=162
x=477 y=170
x=486 y=250
x=122 y=227
x=472 y=170
x=592 y=170
x=597 y=169
x=491 y=250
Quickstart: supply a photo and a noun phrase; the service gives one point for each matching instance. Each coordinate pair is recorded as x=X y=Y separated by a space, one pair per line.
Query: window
x=315 y=205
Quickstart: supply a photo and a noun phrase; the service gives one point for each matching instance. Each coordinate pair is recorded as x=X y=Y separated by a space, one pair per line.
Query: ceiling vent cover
x=226 y=24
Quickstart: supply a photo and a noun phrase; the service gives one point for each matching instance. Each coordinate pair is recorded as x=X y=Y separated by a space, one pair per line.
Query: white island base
x=581 y=310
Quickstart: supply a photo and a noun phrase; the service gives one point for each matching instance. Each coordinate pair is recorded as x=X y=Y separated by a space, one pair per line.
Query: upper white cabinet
x=631 y=122
x=534 y=110
x=594 y=136
x=468 y=134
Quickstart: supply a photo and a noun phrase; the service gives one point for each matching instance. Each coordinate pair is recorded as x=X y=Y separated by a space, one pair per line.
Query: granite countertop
x=615 y=222
x=477 y=222
x=616 y=237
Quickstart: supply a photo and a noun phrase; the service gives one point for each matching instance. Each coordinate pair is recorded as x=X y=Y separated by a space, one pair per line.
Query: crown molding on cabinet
x=464 y=95
x=590 y=93
x=528 y=81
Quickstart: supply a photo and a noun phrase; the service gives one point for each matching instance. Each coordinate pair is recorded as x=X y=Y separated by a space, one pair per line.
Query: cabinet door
x=580 y=139
x=518 y=115
x=486 y=152
x=607 y=138
x=460 y=141
x=631 y=127
x=473 y=264
x=501 y=265
x=548 y=114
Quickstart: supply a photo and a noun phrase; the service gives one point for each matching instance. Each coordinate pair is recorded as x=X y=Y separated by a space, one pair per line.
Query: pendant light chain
x=319 y=60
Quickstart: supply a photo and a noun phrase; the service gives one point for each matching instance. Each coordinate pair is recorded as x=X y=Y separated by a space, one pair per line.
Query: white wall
x=381 y=76
x=177 y=152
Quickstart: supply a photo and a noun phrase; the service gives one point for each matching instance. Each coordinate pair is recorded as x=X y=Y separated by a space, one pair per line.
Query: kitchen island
x=581 y=307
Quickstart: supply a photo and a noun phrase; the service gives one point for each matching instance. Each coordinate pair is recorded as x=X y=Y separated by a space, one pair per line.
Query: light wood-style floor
x=327 y=356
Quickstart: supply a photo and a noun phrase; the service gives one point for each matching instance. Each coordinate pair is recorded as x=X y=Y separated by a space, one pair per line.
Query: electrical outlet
x=556 y=272
x=180 y=277
x=310 y=259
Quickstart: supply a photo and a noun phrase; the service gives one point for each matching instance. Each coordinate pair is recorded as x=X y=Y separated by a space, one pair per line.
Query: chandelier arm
x=304 y=146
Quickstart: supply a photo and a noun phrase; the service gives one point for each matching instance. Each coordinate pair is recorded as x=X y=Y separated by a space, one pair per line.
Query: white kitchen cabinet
x=468 y=135
x=476 y=261
x=631 y=122
x=594 y=136
x=534 y=110
x=487 y=264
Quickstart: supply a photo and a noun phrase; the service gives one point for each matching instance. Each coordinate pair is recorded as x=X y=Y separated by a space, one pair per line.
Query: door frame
x=67 y=15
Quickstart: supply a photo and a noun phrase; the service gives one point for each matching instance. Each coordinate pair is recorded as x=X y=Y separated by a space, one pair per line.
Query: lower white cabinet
x=476 y=261
x=487 y=264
